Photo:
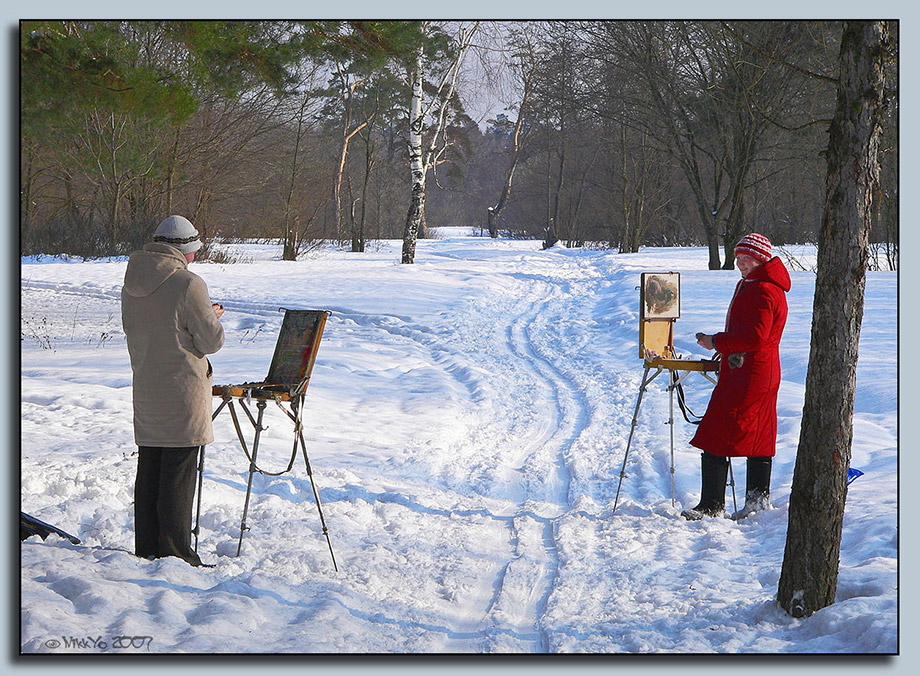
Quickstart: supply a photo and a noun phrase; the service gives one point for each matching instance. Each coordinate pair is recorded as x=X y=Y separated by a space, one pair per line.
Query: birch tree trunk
x=417 y=169
x=422 y=156
x=808 y=581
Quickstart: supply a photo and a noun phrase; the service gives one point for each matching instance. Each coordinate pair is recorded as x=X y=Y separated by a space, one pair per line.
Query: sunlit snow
x=466 y=422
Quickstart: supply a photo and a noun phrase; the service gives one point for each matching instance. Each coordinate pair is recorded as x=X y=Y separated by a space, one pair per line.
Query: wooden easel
x=286 y=385
x=656 y=349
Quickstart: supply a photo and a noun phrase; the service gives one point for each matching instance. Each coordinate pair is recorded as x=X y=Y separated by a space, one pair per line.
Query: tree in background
x=360 y=59
x=105 y=105
x=808 y=581
x=706 y=94
x=428 y=119
x=521 y=40
x=885 y=235
x=649 y=133
x=564 y=139
x=301 y=124
x=83 y=89
x=634 y=177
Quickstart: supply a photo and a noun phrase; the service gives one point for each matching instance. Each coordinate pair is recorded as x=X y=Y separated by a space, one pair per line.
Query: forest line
x=613 y=133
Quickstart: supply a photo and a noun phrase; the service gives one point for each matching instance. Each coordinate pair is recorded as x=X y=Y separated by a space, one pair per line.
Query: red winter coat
x=741 y=417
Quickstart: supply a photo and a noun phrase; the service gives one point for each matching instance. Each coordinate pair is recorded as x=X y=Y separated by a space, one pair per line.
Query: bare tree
x=523 y=63
x=631 y=133
x=429 y=119
x=643 y=187
x=808 y=581
x=564 y=133
x=290 y=215
x=347 y=82
x=702 y=92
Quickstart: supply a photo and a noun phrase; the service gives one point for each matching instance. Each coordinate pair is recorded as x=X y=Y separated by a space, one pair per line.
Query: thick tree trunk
x=494 y=213
x=413 y=222
x=734 y=229
x=742 y=160
x=808 y=581
x=709 y=221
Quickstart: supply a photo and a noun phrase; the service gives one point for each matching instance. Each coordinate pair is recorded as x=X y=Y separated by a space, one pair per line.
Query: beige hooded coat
x=170 y=326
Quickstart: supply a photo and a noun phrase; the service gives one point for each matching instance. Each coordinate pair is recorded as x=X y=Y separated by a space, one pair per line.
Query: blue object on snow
x=853 y=475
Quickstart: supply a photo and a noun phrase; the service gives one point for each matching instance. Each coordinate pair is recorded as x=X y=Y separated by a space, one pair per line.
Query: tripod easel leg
x=671 y=426
x=252 y=468
x=731 y=482
x=195 y=531
x=645 y=381
x=226 y=399
x=319 y=507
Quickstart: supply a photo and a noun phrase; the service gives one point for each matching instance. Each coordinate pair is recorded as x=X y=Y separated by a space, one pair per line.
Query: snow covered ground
x=466 y=423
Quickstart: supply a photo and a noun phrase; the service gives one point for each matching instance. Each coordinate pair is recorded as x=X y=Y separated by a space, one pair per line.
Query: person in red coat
x=741 y=417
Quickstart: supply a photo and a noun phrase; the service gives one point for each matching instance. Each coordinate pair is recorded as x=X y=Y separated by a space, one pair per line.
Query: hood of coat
x=149 y=268
x=772 y=271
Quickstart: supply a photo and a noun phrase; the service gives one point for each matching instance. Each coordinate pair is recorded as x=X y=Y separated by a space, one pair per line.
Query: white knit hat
x=178 y=232
x=756 y=246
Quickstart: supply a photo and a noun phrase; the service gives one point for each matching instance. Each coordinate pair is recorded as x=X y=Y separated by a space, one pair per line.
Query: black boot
x=757 y=487
x=714 y=472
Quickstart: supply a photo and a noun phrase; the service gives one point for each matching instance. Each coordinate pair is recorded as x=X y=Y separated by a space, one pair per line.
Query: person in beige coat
x=171 y=325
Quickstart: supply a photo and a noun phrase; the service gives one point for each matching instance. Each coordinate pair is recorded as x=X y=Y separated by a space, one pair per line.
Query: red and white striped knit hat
x=756 y=246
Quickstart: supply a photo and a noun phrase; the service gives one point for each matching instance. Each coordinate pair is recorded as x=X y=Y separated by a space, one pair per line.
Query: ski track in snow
x=528 y=462
x=524 y=583
x=526 y=580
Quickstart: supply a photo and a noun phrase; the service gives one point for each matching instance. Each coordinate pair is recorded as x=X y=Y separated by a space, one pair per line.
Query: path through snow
x=466 y=422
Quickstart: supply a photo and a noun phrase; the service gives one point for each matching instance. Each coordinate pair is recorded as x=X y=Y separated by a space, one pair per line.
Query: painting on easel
x=295 y=350
x=660 y=293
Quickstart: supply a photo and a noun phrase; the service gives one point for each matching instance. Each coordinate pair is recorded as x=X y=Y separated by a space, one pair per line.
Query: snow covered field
x=466 y=423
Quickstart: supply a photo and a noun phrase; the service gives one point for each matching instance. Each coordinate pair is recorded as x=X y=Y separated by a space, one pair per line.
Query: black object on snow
x=29 y=526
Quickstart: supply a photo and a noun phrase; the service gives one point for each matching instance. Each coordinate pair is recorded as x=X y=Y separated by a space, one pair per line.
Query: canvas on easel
x=295 y=351
x=292 y=362
x=659 y=308
x=660 y=295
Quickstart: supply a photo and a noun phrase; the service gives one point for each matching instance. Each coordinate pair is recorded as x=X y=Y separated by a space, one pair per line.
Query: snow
x=466 y=423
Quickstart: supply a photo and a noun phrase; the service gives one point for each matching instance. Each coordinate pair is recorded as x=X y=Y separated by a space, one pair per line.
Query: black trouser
x=163 y=494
